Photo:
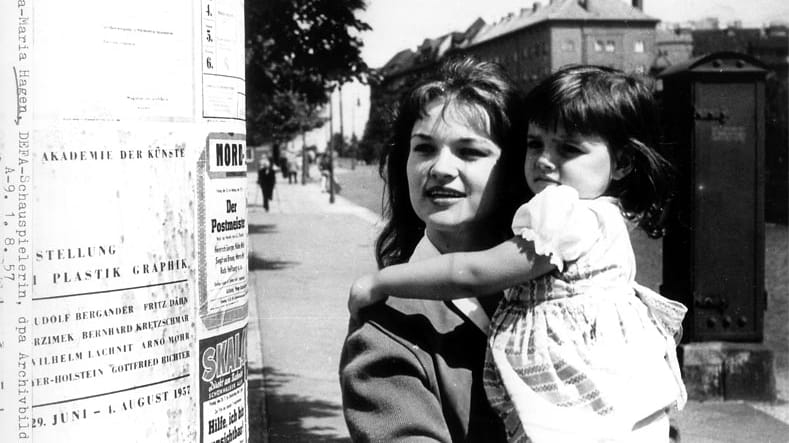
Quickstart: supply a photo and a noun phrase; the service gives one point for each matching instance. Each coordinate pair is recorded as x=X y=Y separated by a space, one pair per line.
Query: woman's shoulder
x=419 y=328
x=414 y=322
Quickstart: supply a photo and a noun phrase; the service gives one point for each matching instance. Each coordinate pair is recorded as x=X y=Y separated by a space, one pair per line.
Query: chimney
x=583 y=3
x=638 y=4
x=535 y=6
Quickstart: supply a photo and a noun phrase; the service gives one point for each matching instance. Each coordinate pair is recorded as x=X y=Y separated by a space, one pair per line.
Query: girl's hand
x=363 y=294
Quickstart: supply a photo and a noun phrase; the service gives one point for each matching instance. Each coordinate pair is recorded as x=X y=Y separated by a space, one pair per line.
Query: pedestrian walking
x=577 y=350
x=298 y=169
x=326 y=167
x=293 y=169
x=267 y=179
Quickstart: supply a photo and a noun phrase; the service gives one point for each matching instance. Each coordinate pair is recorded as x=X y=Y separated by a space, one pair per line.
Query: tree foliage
x=297 y=52
x=377 y=132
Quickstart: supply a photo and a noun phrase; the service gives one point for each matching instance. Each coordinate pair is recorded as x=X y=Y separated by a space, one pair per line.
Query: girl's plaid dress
x=583 y=348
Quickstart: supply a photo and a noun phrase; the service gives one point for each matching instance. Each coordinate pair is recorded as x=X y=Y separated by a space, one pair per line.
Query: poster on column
x=112 y=300
x=222 y=228
x=223 y=388
x=223 y=303
x=112 y=305
x=223 y=231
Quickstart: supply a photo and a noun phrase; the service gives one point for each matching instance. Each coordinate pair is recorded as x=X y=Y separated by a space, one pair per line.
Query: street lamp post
x=342 y=130
x=330 y=148
x=355 y=142
x=304 y=164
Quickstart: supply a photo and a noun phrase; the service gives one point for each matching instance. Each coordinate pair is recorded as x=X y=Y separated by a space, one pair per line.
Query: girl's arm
x=452 y=276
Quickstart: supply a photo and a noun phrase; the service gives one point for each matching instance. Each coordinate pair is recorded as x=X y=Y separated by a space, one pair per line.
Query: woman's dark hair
x=465 y=81
x=620 y=108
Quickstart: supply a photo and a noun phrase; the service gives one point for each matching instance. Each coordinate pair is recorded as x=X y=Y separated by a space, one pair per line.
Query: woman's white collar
x=470 y=307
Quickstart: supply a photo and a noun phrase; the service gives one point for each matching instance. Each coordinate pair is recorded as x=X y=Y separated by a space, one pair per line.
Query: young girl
x=577 y=350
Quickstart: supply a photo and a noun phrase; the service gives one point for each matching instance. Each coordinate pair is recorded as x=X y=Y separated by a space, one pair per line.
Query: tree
x=297 y=52
x=377 y=131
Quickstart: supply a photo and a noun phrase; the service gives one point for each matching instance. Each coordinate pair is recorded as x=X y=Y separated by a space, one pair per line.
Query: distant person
x=412 y=370
x=267 y=179
x=323 y=169
x=293 y=169
x=297 y=169
x=285 y=166
x=326 y=167
x=577 y=350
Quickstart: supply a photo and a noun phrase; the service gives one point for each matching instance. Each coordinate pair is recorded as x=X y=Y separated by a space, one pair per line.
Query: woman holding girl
x=577 y=351
x=413 y=369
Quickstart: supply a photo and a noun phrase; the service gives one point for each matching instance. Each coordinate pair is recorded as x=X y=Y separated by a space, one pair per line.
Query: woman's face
x=451 y=167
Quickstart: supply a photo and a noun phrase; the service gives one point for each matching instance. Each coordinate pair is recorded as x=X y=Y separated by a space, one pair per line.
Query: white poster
x=223 y=59
x=108 y=206
x=223 y=225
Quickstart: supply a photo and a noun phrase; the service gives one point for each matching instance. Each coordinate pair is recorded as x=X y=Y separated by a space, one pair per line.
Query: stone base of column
x=728 y=371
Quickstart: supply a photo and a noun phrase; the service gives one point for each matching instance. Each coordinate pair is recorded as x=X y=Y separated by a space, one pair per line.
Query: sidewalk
x=304 y=255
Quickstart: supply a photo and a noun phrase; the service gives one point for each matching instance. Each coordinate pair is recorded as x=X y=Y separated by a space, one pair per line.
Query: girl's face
x=583 y=162
x=451 y=167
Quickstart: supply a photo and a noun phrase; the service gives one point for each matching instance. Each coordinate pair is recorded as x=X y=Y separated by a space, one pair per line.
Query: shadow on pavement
x=260 y=264
x=286 y=413
x=262 y=229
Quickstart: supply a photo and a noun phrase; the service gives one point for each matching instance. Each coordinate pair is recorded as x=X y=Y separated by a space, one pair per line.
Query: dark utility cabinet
x=713 y=251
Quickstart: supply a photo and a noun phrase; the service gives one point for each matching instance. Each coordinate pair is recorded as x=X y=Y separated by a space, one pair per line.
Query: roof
x=595 y=10
x=716 y=62
x=402 y=59
x=735 y=39
x=430 y=50
x=673 y=36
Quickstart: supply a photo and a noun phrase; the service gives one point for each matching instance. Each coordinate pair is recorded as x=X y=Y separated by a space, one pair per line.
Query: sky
x=405 y=24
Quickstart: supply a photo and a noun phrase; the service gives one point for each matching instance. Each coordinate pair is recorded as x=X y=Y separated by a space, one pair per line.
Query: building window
x=641 y=69
x=568 y=46
x=598 y=46
x=638 y=46
x=610 y=46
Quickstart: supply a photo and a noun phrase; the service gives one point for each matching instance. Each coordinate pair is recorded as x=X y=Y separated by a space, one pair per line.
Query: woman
x=413 y=368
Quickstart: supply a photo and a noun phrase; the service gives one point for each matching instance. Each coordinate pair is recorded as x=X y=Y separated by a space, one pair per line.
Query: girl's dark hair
x=466 y=81
x=620 y=108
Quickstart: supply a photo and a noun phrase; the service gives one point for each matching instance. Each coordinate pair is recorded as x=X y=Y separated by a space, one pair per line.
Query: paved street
x=304 y=255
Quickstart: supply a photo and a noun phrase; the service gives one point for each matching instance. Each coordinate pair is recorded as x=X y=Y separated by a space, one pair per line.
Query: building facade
x=529 y=44
x=536 y=41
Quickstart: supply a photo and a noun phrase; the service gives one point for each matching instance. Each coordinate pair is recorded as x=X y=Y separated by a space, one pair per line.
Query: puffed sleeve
x=384 y=391
x=560 y=225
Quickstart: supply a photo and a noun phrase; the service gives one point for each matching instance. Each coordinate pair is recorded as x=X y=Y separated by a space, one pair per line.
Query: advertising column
x=124 y=299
